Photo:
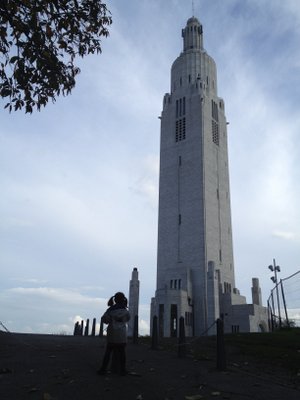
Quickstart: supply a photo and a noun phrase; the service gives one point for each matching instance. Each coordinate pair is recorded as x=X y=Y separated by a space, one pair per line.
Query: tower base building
x=195 y=268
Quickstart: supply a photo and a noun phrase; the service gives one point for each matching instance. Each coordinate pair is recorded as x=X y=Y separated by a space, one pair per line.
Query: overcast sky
x=79 y=180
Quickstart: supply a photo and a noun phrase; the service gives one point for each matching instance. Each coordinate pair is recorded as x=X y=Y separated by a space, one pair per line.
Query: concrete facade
x=195 y=267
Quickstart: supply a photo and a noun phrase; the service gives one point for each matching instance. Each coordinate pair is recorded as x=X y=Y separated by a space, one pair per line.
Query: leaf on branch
x=14 y=59
x=47 y=36
x=62 y=44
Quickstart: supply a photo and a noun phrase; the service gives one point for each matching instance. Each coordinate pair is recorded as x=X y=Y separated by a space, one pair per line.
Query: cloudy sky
x=79 y=180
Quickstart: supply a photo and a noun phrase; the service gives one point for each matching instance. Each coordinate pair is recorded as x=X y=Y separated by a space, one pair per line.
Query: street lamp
x=275 y=268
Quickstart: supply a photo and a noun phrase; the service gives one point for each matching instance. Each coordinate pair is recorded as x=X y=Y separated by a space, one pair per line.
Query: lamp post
x=275 y=268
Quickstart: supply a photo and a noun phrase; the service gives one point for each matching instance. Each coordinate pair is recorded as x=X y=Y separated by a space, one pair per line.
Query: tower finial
x=193 y=8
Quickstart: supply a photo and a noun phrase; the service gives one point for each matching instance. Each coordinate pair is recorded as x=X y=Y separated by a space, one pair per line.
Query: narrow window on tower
x=180 y=122
x=180 y=130
x=215 y=132
x=214 y=123
x=179 y=219
x=179 y=161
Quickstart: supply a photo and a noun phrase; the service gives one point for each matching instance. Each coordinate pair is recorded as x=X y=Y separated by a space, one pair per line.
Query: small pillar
x=154 y=342
x=221 y=358
x=86 y=331
x=181 y=339
x=93 y=327
x=133 y=308
x=76 y=329
x=256 y=292
x=101 y=328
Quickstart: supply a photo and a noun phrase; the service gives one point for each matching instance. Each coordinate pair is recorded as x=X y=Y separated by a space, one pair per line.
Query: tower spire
x=192 y=35
x=193 y=8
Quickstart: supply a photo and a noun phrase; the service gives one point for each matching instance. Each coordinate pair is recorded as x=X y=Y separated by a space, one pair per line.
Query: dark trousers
x=119 y=357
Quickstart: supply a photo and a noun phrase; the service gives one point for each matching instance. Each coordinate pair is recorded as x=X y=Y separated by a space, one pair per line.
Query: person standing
x=116 y=316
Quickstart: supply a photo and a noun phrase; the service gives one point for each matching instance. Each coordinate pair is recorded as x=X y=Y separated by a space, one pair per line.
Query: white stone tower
x=134 y=290
x=195 y=256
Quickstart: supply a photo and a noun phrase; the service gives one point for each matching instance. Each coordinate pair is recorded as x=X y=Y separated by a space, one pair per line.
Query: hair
x=111 y=302
x=119 y=298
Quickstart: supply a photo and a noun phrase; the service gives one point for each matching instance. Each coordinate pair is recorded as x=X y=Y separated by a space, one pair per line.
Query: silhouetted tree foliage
x=39 y=41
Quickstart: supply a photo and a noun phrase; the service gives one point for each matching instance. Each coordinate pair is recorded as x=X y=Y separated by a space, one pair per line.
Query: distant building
x=195 y=268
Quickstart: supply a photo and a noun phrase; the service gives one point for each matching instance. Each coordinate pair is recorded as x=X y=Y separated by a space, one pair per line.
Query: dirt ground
x=50 y=367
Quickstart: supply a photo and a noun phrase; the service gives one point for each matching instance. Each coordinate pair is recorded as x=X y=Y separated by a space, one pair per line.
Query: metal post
x=269 y=316
x=277 y=291
x=273 y=311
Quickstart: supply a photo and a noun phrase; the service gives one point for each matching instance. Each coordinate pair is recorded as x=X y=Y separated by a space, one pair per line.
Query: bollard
x=154 y=342
x=135 y=337
x=221 y=358
x=101 y=328
x=181 y=339
x=76 y=329
x=86 y=331
x=93 y=327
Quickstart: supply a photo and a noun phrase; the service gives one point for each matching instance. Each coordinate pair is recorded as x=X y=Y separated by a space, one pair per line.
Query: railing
x=284 y=303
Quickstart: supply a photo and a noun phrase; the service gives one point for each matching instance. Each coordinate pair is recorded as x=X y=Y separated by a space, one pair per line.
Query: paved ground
x=49 y=367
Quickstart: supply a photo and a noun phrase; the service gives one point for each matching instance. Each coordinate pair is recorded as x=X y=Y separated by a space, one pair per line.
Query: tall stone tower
x=195 y=256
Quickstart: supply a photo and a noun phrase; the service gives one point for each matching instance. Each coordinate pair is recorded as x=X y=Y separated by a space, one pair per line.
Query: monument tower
x=195 y=269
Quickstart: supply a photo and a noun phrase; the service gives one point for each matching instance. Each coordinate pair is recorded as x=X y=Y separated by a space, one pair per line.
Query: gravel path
x=49 y=367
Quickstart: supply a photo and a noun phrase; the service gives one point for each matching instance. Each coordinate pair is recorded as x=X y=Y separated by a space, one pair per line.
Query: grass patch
x=280 y=348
